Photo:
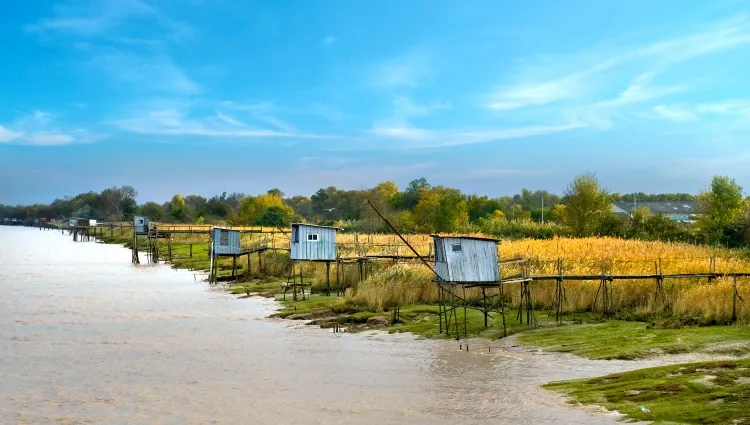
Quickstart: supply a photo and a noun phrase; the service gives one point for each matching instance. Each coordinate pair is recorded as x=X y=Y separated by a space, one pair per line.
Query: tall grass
x=396 y=286
x=399 y=285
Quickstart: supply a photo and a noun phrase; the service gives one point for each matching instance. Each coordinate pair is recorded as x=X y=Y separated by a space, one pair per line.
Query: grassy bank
x=637 y=340
x=696 y=393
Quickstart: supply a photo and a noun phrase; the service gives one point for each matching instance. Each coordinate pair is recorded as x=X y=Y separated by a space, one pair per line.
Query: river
x=86 y=337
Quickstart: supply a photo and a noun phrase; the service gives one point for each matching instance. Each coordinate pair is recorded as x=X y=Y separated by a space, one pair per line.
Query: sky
x=206 y=96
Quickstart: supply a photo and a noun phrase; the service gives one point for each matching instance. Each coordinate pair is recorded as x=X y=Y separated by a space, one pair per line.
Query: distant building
x=465 y=259
x=313 y=243
x=676 y=211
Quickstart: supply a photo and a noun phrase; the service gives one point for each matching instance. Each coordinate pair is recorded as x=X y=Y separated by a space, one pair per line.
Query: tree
x=639 y=219
x=557 y=214
x=263 y=210
x=276 y=192
x=441 y=209
x=177 y=208
x=719 y=208
x=410 y=197
x=587 y=205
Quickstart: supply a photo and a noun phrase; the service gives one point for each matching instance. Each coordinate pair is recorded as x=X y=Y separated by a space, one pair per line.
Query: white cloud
x=676 y=113
x=405 y=71
x=159 y=74
x=404 y=107
x=7 y=135
x=424 y=138
x=732 y=107
x=229 y=120
x=104 y=17
x=175 y=122
x=35 y=129
x=581 y=89
x=49 y=139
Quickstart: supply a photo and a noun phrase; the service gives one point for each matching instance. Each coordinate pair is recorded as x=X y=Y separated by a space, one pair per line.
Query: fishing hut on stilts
x=81 y=229
x=224 y=242
x=464 y=263
x=311 y=243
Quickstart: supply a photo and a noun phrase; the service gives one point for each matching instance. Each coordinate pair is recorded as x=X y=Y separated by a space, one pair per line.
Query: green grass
x=696 y=393
x=634 y=340
x=424 y=320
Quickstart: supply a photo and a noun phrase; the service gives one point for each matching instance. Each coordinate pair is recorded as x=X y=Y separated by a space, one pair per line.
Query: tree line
x=584 y=209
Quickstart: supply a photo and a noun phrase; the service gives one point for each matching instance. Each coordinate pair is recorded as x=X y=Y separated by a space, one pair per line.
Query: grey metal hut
x=225 y=241
x=313 y=243
x=466 y=259
x=140 y=224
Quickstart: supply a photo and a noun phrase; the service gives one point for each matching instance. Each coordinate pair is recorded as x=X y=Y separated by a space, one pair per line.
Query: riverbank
x=586 y=334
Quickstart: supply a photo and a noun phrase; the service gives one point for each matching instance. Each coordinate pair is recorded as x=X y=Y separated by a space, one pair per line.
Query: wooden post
x=328 y=278
x=169 y=247
x=248 y=265
x=191 y=250
x=484 y=302
x=734 y=300
x=260 y=263
x=234 y=268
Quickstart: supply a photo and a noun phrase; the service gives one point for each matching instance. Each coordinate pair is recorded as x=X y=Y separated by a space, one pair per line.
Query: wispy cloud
x=176 y=122
x=36 y=129
x=734 y=108
x=105 y=17
x=158 y=73
x=585 y=92
x=7 y=135
x=676 y=113
x=407 y=70
x=419 y=138
x=329 y=40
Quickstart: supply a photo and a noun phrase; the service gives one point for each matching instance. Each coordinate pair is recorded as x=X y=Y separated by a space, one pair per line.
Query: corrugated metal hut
x=83 y=222
x=140 y=224
x=225 y=241
x=313 y=243
x=466 y=259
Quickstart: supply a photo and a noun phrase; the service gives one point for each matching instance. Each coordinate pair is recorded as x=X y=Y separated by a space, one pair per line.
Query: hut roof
x=477 y=238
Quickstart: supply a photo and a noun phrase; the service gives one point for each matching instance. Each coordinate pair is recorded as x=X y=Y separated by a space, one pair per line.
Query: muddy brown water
x=86 y=337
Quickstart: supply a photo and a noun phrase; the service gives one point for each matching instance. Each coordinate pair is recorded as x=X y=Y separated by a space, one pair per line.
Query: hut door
x=439 y=251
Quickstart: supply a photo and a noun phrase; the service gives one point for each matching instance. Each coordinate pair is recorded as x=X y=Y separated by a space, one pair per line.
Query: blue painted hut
x=225 y=241
x=140 y=224
x=466 y=259
x=313 y=243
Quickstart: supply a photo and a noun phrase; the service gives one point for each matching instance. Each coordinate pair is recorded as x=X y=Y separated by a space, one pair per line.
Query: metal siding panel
x=322 y=249
x=476 y=262
x=233 y=240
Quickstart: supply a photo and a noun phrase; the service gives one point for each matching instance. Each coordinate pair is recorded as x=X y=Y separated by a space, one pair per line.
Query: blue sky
x=199 y=96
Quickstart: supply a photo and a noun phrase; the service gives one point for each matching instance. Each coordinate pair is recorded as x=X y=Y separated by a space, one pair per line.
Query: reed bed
x=389 y=285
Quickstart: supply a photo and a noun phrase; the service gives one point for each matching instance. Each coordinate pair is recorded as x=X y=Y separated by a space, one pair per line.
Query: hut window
x=224 y=238
x=456 y=247
x=312 y=237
